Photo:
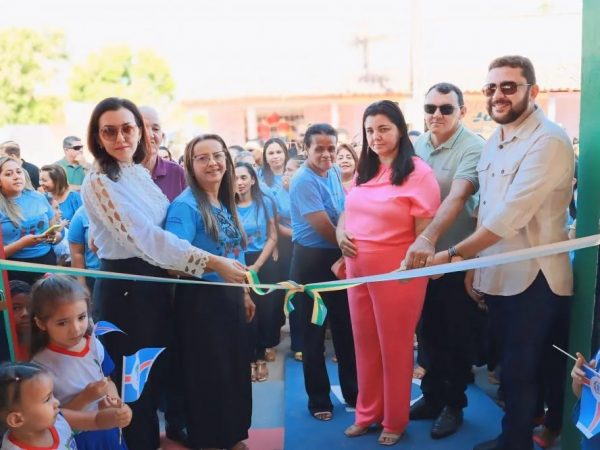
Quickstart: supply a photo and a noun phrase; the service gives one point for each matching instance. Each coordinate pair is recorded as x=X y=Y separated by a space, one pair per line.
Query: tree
x=29 y=62
x=116 y=71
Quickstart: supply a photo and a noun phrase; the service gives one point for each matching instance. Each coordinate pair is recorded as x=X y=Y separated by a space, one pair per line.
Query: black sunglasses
x=446 y=109
x=77 y=147
x=506 y=87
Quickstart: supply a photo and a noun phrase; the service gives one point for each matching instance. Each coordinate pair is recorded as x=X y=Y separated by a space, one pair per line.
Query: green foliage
x=29 y=60
x=143 y=77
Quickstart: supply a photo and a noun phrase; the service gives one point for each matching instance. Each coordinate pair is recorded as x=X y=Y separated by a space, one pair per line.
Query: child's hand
x=577 y=373
x=113 y=417
x=96 y=390
x=109 y=402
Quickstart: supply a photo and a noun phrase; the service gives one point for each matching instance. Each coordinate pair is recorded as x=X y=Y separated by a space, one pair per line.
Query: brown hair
x=58 y=175
x=516 y=61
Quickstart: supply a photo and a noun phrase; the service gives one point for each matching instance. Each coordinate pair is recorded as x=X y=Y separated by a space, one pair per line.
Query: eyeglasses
x=110 y=133
x=445 y=110
x=506 y=87
x=203 y=160
x=77 y=147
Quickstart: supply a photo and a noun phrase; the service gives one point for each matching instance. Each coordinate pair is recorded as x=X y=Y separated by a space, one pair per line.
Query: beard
x=512 y=114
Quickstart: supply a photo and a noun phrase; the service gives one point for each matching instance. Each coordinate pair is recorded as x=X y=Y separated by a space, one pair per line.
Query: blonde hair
x=7 y=205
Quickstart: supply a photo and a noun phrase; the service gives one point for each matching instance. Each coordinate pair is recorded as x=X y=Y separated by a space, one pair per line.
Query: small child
x=21 y=305
x=63 y=344
x=579 y=376
x=29 y=410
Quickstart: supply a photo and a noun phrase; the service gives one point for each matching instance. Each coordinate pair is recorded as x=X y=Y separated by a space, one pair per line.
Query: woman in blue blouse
x=317 y=200
x=257 y=216
x=275 y=156
x=53 y=180
x=211 y=319
x=284 y=246
x=25 y=217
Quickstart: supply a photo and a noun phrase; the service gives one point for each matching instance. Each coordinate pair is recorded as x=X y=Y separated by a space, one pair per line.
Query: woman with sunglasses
x=212 y=320
x=257 y=213
x=126 y=211
x=395 y=197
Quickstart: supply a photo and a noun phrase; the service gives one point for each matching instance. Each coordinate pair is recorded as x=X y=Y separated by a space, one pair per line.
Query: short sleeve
x=425 y=199
x=181 y=221
x=77 y=230
x=467 y=167
x=308 y=197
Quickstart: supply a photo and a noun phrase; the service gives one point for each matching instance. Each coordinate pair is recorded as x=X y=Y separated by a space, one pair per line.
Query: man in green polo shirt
x=73 y=162
x=453 y=152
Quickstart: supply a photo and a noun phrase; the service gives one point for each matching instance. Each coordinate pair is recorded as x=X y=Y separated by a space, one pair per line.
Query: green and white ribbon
x=314 y=290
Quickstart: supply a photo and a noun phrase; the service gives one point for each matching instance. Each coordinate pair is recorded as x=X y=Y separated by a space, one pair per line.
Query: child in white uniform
x=63 y=344
x=29 y=410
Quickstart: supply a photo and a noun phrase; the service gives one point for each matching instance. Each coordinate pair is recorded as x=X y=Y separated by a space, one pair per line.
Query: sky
x=237 y=48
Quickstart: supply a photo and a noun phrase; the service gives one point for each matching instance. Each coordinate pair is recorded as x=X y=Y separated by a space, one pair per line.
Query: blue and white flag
x=102 y=327
x=136 y=369
x=589 y=413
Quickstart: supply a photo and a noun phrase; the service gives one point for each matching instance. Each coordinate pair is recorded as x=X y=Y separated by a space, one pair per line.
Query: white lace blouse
x=126 y=219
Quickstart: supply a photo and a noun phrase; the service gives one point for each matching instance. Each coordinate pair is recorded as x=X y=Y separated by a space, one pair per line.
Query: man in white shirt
x=525 y=174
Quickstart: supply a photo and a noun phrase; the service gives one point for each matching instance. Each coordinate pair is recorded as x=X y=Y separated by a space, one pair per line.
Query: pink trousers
x=384 y=318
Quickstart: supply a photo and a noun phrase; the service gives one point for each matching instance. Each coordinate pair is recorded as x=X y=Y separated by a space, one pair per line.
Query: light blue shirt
x=254 y=222
x=282 y=199
x=185 y=221
x=36 y=213
x=78 y=234
x=70 y=205
x=310 y=193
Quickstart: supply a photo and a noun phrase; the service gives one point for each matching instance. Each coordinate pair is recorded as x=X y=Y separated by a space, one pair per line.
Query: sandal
x=262 y=372
x=389 y=438
x=298 y=356
x=270 y=355
x=253 y=373
x=240 y=446
x=492 y=378
x=323 y=415
x=355 y=431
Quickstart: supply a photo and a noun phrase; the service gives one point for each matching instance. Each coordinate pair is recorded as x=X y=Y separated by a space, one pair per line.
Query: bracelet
x=452 y=252
x=426 y=238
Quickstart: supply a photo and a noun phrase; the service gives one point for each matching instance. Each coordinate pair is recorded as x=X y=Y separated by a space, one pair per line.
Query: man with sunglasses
x=453 y=152
x=525 y=176
x=74 y=162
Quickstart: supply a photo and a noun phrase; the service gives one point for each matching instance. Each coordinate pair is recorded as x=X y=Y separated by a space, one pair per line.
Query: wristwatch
x=452 y=252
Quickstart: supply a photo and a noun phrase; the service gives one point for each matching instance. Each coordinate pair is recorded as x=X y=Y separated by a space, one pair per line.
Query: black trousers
x=526 y=323
x=446 y=340
x=212 y=338
x=285 y=247
x=311 y=265
x=143 y=311
x=265 y=329
x=31 y=277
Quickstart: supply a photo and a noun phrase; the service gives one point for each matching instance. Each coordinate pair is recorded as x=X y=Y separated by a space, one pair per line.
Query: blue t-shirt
x=36 y=213
x=282 y=199
x=277 y=181
x=310 y=193
x=185 y=221
x=78 y=234
x=69 y=205
x=255 y=223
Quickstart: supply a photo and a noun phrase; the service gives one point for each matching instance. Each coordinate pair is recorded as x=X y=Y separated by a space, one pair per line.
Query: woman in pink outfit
x=395 y=197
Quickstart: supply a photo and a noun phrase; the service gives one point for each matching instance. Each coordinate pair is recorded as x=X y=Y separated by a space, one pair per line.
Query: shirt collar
x=529 y=125
x=449 y=143
x=160 y=168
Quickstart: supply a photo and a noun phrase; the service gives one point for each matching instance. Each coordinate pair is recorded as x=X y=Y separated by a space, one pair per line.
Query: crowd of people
x=308 y=213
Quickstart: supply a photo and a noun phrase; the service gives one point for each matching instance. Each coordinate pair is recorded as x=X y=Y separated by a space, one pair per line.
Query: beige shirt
x=525 y=190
